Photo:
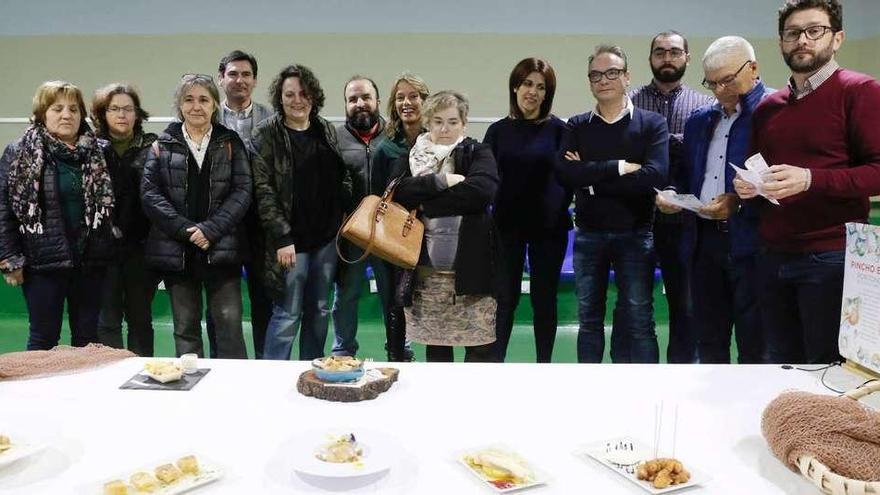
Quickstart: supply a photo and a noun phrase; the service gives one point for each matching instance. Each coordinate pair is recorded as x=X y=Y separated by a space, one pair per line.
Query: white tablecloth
x=246 y=415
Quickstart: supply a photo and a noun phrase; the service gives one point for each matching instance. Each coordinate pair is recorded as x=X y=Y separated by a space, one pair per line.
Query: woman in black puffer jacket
x=195 y=192
x=56 y=205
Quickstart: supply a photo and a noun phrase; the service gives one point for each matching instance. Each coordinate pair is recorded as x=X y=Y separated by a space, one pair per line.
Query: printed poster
x=859 y=339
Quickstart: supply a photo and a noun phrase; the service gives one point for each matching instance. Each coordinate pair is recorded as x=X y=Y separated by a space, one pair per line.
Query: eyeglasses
x=610 y=74
x=189 y=77
x=673 y=52
x=812 y=33
x=115 y=109
x=725 y=81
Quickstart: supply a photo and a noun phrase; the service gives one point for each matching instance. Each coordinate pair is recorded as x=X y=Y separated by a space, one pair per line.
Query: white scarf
x=426 y=157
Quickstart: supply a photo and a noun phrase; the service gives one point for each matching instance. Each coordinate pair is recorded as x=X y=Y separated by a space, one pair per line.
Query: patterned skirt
x=439 y=317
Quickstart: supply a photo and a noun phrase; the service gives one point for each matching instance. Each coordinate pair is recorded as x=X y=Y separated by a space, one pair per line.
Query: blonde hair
x=442 y=100
x=393 y=117
x=49 y=92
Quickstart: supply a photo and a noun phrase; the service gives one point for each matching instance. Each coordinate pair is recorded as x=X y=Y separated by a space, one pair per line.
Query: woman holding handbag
x=452 y=181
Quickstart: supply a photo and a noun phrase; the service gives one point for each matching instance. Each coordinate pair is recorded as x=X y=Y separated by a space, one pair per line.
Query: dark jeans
x=45 y=294
x=261 y=310
x=545 y=262
x=129 y=289
x=800 y=305
x=631 y=254
x=224 y=300
x=725 y=294
x=472 y=354
x=676 y=280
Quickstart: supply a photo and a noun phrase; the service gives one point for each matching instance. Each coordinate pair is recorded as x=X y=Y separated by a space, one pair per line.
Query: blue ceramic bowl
x=336 y=376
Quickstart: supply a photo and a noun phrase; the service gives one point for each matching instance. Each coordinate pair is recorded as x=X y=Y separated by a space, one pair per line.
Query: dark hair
x=519 y=74
x=307 y=79
x=102 y=101
x=831 y=7
x=612 y=49
x=669 y=34
x=358 y=77
x=235 y=56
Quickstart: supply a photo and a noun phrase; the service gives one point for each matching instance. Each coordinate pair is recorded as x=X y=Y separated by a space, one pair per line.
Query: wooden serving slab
x=309 y=385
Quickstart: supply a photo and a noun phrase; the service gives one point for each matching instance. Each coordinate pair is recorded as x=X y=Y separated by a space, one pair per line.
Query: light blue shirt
x=716 y=157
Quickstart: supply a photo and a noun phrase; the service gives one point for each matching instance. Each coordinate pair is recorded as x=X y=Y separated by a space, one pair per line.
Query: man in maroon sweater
x=821 y=136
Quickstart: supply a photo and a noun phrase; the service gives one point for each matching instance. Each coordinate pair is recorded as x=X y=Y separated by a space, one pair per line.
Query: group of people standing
x=96 y=218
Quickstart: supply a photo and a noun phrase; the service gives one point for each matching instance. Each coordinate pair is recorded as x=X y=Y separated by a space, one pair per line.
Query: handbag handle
x=376 y=215
x=868 y=389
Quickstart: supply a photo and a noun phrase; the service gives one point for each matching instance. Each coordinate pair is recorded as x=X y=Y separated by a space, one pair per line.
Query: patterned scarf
x=26 y=176
x=425 y=157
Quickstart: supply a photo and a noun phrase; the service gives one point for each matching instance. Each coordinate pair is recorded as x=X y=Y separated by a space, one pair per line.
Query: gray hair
x=186 y=82
x=442 y=100
x=726 y=49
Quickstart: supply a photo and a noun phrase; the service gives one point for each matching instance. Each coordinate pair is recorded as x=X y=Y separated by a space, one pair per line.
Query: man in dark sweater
x=821 y=136
x=613 y=158
x=668 y=96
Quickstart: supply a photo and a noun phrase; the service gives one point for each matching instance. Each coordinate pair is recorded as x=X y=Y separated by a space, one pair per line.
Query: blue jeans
x=725 y=294
x=306 y=303
x=45 y=294
x=800 y=305
x=631 y=254
x=347 y=293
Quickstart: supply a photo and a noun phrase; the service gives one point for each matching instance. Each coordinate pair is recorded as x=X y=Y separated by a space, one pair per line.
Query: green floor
x=371 y=332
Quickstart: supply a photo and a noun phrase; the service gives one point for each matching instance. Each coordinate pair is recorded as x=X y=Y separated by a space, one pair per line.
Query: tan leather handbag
x=383 y=228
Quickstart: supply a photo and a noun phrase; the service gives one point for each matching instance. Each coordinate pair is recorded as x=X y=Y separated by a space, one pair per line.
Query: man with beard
x=237 y=76
x=359 y=138
x=666 y=95
x=821 y=136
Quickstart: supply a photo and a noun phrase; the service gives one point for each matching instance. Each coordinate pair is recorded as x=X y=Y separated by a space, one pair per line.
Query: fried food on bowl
x=339 y=363
x=663 y=472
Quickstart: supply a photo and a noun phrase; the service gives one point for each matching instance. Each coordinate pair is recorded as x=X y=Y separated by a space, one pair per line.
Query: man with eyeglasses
x=614 y=157
x=668 y=96
x=723 y=245
x=821 y=136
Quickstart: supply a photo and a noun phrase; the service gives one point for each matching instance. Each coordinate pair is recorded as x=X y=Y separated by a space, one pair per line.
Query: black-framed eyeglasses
x=724 y=81
x=661 y=53
x=812 y=33
x=610 y=74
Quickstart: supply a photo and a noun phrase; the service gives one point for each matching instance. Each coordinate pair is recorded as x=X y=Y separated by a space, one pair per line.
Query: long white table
x=246 y=415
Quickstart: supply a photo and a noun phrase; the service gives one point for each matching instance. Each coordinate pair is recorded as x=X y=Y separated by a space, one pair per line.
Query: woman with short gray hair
x=452 y=180
x=195 y=191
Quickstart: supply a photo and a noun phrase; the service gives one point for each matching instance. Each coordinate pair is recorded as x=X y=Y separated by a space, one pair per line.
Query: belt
x=718 y=225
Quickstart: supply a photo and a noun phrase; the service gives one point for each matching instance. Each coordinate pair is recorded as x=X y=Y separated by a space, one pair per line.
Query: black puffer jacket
x=477 y=254
x=50 y=250
x=163 y=195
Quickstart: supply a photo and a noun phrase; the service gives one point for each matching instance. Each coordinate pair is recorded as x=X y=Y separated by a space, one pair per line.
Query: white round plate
x=377 y=454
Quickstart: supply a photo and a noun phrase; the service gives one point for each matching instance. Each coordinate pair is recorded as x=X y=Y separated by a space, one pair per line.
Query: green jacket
x=273 y=169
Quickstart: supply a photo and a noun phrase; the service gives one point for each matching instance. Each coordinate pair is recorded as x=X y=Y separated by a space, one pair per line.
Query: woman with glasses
x=128 y=289
x=56 y=207
x=451 y=179
x=531 y=208
x=303 y=189
x=196 y=189
x=408 y=94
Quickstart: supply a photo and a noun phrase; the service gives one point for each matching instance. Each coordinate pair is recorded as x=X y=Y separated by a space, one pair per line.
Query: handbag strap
x=867 y=389
x=375 y=217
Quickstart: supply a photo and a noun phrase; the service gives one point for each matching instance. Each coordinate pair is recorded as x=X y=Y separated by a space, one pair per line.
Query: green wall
x=477 y=64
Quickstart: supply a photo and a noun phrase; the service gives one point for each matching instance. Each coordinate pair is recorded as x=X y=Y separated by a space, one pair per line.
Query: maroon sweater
x=835 y=132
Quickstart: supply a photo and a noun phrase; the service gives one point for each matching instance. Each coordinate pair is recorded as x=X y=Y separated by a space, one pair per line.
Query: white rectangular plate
x=597 y=451
x=540 y=477
x=208 y=473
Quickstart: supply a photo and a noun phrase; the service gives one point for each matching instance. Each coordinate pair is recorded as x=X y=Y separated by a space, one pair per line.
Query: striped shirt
x=814 y=81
